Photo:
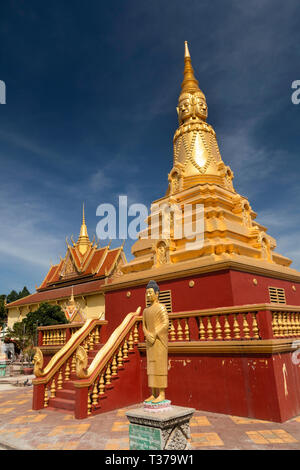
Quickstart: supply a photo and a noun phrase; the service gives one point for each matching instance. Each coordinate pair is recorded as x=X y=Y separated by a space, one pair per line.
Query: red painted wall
x=219 y=289
x=258 y=386
x=245 y=292
x=287 y=385
x=210 y=290
x=250 y=386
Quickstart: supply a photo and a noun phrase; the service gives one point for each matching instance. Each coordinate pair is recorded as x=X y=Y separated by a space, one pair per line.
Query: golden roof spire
x=83 y=240
x=72 y=297
x=186 y=49
x=189 y=84
x=83 y=219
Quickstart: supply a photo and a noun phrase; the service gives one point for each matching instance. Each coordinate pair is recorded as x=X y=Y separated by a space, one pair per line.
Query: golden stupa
x=201 y=179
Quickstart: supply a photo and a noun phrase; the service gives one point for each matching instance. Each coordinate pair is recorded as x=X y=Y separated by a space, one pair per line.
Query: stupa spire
x=186 y=49
x=83 y=218
x=199 y=176
x=190 y=83
x=83 y=240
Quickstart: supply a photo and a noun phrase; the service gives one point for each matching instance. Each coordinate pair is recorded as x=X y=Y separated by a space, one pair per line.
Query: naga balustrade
x=62 y=366
x=97 y=382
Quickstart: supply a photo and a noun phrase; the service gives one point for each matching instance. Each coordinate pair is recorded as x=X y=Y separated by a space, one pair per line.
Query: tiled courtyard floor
x=22 y=428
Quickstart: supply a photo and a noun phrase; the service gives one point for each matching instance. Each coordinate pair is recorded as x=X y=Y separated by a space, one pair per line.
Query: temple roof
x=97 y=263
x=60 y=293
x=85 y=266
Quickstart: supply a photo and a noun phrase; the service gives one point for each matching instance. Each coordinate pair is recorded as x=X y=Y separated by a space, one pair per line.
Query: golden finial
x=83 y=240
x=83 y=219
x=189 y=84
x=186 y=49
x=72 y=295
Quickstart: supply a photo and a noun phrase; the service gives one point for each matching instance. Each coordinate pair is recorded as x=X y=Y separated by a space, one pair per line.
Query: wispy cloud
x=29 y=230
x=100 y=181
x=284 y=225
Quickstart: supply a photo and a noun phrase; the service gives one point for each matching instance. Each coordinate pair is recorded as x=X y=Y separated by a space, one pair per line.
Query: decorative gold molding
x=49 y=349
x=267 y=346
x=62 y=326
x=236 y=309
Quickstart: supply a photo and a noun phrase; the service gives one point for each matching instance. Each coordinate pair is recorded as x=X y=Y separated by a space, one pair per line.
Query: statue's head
x=191 y=106
x=152 y=291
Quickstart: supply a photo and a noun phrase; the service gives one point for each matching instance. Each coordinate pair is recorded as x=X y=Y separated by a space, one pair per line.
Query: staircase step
x=66 y=394
x=92 y=354
x=69 y=385
x=62 y=403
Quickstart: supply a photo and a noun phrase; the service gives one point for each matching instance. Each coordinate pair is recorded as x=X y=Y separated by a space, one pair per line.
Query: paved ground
x=47 y=429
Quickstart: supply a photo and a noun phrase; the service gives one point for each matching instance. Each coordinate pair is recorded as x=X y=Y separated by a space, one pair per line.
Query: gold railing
x=235 y=323
x=285 y=324
x=214 y=326
x=57 y=335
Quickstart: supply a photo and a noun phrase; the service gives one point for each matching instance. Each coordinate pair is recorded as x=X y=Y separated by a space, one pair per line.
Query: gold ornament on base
x=38 y=360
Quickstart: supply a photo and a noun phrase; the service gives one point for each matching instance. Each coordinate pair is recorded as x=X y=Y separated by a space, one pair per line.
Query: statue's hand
x=150 y=338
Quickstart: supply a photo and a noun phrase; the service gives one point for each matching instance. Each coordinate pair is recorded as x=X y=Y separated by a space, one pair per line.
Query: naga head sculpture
x=81 y=362
x=38 y=360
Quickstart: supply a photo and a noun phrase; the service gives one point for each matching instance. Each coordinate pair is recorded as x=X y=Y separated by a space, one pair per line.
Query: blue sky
x=91 y=95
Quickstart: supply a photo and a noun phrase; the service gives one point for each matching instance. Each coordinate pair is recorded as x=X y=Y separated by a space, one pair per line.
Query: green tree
x=24 y=292
x=45 y=315
x=19 y=335
x=14 y=295
x=24 y=333
x=3 y=314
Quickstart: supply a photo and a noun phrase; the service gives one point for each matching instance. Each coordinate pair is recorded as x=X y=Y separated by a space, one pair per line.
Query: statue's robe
x=156 y=322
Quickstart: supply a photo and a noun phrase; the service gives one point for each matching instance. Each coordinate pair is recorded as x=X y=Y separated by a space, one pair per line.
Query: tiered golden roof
x=199 y=176
x=84 y=259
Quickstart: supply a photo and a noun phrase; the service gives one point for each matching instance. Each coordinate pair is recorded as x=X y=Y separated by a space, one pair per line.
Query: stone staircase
x=65 y=398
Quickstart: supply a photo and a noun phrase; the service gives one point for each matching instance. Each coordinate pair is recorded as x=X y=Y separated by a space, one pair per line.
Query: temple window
x=277 y=295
